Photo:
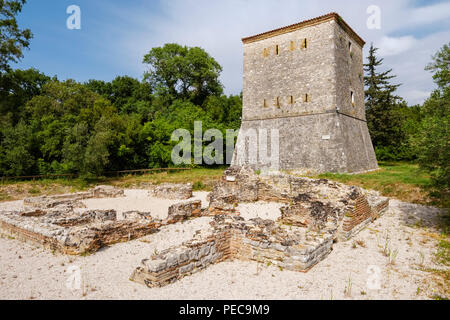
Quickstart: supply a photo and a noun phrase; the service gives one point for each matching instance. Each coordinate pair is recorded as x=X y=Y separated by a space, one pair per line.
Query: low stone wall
x=175 y=263
x=184 y=210
x=73 y=200
x=171 y=191
x=316 y=213
x=53 y=223
x=75 y=233
x=258 y=240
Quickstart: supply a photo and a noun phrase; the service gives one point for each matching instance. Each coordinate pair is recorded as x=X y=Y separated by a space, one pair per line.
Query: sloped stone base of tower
x=316 y=143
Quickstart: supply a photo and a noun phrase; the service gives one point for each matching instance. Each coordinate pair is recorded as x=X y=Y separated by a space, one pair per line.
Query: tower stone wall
x=306 y=81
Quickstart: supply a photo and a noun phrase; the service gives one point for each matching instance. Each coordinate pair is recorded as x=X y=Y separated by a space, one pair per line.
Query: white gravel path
x=139 y=200
x=27 y=272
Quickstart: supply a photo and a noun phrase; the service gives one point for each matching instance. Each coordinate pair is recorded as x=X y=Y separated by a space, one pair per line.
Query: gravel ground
x=29 y=272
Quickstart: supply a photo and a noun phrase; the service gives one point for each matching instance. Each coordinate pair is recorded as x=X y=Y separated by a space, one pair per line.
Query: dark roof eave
x=304 y=24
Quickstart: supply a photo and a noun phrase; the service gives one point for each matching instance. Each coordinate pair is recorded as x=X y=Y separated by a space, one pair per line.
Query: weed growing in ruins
x=438 y=297
x=357 y=243
x=388 y=252
x=34 y=190
x=85 y=253
x=392 y=256
x=198 y=185
x=348 y=287
x=443 y=253
x=421 y=259
x=387 y=245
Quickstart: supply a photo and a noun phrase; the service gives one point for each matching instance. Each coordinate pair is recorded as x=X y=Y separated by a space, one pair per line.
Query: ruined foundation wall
x=233 y=239
x=53 y=223
x=310 y=203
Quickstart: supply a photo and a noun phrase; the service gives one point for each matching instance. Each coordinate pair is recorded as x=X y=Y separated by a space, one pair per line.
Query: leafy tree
x=441 y=66
x=74 y=147
x=17 y=87
x=15 y=152
x=433 y=139
x=12 y=39
x=52 y=126
x=183 y=73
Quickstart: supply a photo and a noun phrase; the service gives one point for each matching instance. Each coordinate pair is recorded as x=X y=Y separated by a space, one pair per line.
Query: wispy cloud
x=391 y=46
x=119 y=33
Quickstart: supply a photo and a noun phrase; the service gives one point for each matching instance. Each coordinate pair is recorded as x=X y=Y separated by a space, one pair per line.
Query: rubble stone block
x=181 y=211
x=171 y=191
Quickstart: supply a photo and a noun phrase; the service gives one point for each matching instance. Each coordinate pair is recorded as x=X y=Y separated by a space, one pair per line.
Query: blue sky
x=115 y=34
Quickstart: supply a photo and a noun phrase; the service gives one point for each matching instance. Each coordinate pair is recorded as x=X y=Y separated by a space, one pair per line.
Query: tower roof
x=304 y=24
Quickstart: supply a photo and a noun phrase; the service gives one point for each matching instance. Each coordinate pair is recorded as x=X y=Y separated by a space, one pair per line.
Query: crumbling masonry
x=61 y=223
x=316 y=214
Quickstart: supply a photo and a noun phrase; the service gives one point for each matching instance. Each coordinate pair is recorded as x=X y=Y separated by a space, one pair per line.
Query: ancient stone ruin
x=315 y=214
x=63 y=224
x=309 y=216
x=171 y=191
x=304 y=80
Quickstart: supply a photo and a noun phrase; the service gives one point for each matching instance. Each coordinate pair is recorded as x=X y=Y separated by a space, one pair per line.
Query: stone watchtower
x=306 y=80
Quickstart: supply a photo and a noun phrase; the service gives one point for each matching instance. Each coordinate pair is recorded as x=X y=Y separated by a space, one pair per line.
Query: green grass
x=443 y=252
x=202 y=179
x=404 y=181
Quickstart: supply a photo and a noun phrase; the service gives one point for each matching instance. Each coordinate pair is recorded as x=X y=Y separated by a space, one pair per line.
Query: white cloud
x=430 y=14
x=416 y=95
x=218 y=27
x=390 y=46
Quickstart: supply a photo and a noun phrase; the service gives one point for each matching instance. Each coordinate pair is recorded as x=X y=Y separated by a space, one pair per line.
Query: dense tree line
x=52 y=126
x=414 y=133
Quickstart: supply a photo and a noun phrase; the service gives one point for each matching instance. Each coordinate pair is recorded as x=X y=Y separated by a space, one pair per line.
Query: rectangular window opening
x=306 y=98
x=265 y=103
x=304 y=43
x=352 y=97
x=278 y=102
x=291 y=100
x=277 y=50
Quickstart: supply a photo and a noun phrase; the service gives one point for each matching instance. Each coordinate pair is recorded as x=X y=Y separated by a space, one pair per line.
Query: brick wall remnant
x=314 y=204
x=264 y=241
